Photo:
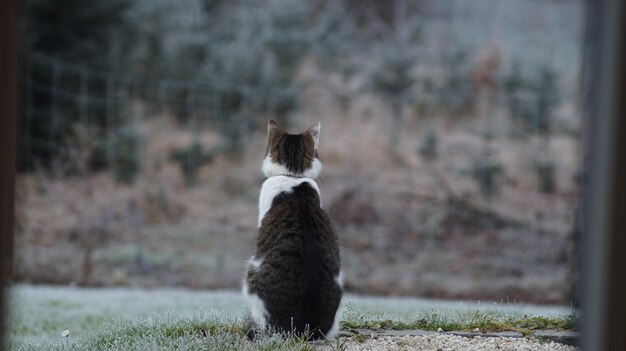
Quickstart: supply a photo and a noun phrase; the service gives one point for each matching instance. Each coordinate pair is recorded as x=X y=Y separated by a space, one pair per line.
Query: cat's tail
x=312 y=273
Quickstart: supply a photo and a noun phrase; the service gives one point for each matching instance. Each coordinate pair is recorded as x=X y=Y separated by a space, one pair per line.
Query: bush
x=545 y=170
x=531 y=100
x=392 y=75
x=428 y=149
x=126 y=158
x=191 y=159
x=104 y=34
x=547 y=99
x=516 y=92
x=485 y=171
x=457 y=93
x=255 y=52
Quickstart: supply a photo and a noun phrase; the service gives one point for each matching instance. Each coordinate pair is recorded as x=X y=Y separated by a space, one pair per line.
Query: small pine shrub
x=531 y=100
x=427 y=98
x=428 y=149
x=545 y=171
x=547 y=99
x=457 y=93
x=516 y=88
x=98 y=159
x=234 y=133
x=191 y=159
x=486 y=171
x=392 y=75
x=254 y=58
x=126 y=158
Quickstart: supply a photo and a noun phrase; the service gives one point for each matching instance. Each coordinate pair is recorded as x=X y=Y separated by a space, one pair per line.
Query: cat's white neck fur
x=278 y=184
x=272 y=169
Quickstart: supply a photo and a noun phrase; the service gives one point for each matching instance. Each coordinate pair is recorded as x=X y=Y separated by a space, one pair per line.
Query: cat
x=293 y=282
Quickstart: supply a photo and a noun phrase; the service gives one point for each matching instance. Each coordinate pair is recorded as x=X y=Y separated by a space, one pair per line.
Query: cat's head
x=292 y=154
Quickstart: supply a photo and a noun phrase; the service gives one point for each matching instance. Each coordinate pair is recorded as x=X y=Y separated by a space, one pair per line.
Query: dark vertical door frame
x=604 y=242
x=8 y=117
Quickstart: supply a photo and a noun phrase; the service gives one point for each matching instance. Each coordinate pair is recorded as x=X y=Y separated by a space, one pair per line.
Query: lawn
x=135 y=319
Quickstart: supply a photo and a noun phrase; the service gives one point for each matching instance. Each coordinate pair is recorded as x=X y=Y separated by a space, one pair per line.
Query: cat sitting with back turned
x=293 y=282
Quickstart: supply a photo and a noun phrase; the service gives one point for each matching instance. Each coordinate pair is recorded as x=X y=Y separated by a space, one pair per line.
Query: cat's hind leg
x=251 y=328
x=257 y=317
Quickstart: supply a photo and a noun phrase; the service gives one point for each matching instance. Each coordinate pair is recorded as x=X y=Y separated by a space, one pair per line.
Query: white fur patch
x=332 y=333
x=314 y=171
x=339 y=279
x=335 y=328
x=254 y=263
x=272 y=169
x=258 y=313
x=276 y=185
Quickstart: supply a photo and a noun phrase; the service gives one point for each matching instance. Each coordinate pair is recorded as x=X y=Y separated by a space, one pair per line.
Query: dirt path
x=421 y=340
x=444 y=342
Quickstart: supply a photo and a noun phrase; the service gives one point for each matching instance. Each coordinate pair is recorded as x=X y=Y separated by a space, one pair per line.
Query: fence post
x=9 y=87
x=110 y=116
x=54 y=124
x=604 y=242
x=83 y=97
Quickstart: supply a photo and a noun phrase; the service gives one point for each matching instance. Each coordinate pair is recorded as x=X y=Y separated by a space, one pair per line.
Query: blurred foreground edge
x=9 y=89
x=604 y=240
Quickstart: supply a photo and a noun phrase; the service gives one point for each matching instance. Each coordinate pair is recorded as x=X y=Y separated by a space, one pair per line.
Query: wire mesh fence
x=484 y=123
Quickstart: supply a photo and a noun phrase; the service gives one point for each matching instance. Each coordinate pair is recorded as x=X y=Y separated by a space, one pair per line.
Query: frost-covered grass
x=42 y=313
x=484 y=320
x=136 y=319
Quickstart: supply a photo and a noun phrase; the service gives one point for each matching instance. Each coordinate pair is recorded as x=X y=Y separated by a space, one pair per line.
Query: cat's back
x=301 y=255
x=295 y=218
x=289 y=203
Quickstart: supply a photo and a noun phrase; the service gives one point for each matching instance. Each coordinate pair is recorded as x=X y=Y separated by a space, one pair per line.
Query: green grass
x=489 y=321
x=164 y=319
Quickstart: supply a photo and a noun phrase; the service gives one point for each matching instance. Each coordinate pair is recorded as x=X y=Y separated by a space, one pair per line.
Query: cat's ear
x=315 y=133
x=272 y=125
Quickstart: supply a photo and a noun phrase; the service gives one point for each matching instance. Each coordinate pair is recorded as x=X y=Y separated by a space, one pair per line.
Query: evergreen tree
x=335 y=41
x=254 y=54
x=98 y=34
x=392 y=75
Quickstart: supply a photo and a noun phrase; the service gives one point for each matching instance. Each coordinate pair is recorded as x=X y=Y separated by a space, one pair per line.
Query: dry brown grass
x=401 y=233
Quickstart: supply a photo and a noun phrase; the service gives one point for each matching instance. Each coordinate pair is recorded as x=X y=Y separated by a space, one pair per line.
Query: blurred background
x=451 y=140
